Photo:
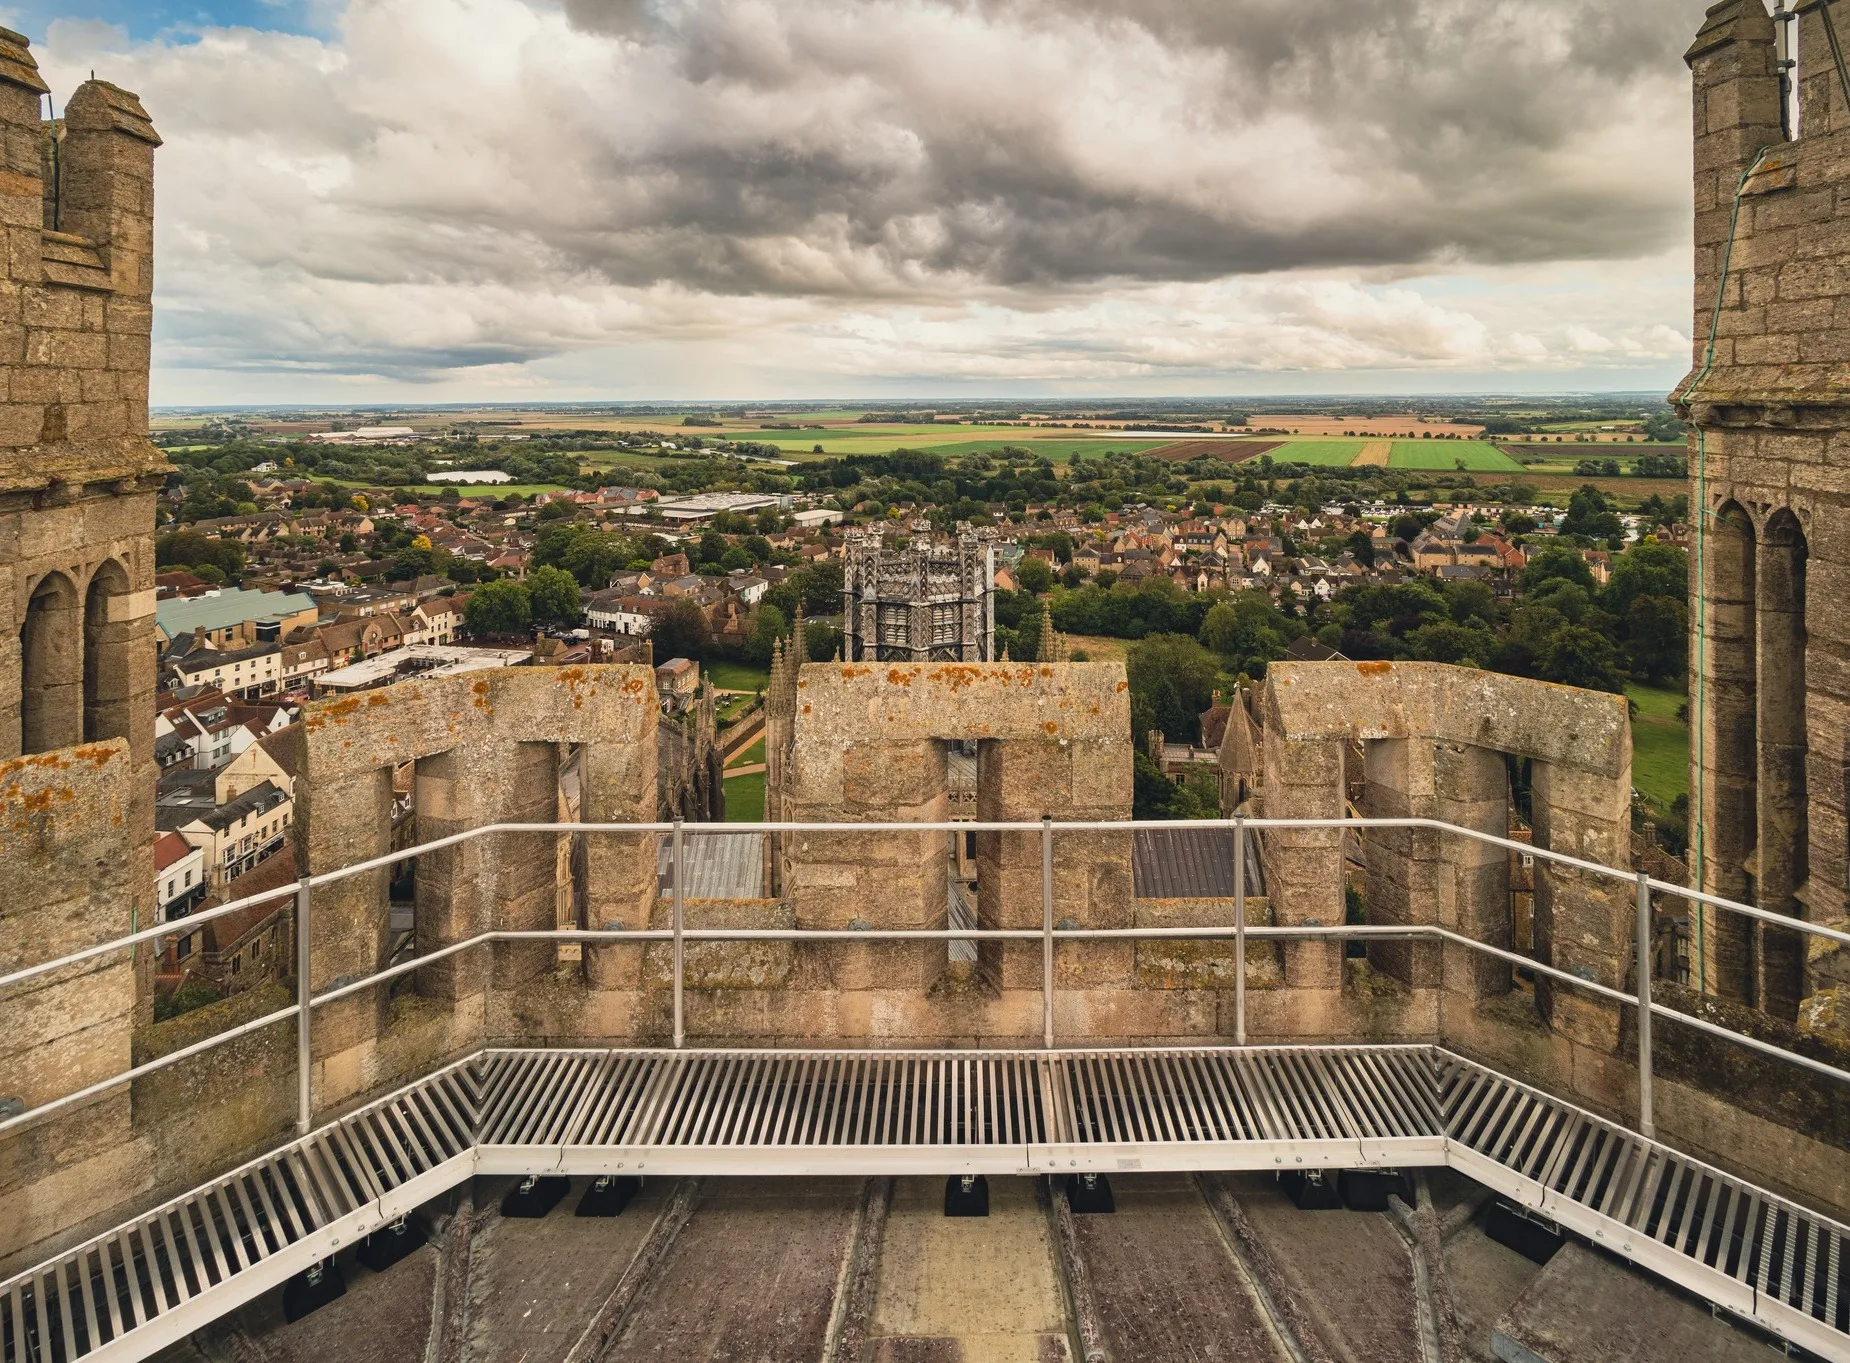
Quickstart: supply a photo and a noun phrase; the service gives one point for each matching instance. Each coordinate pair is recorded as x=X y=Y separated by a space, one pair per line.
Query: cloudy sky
x=451 y=200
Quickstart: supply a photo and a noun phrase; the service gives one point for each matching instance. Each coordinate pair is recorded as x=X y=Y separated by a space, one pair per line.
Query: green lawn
x=1477 y=455
x=1660 y=744
x=1322 y=453
x=752 y=755
x=745 y=798
x=730 y=676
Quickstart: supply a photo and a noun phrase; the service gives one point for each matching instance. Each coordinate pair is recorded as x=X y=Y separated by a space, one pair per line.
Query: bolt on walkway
x=137 y=1288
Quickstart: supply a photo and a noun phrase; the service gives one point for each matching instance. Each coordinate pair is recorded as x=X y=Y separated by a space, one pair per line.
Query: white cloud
x=446 y=194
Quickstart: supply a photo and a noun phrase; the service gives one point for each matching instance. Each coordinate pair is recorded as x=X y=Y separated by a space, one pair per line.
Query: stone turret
x=78 y=479
x=1768 y=398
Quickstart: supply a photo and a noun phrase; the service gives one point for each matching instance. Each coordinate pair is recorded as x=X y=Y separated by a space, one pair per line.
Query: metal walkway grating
x=1736 y=1245
x=133 y=1290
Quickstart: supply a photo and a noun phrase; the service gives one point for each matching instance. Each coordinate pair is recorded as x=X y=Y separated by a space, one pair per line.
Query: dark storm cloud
x=951 y=186
x=1482 y=131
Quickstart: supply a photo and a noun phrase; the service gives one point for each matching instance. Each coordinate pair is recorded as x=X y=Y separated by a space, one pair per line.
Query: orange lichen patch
x=806 y=709
x=378 y=698
x=45 y=759
x=1051 y=728
x=1124 y=686
x=955 y=675
x=97 y=755
x=575 y=680
x=480 y=690
x=896 y=677
x=1374 y=669
x=849 y=672
x=633 y=685
x=332 y=712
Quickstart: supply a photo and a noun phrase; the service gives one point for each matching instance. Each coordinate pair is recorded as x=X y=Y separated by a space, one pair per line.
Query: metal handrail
x=679 y=935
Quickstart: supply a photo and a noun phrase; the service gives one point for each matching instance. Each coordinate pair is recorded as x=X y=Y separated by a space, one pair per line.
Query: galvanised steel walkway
x=146 y=1284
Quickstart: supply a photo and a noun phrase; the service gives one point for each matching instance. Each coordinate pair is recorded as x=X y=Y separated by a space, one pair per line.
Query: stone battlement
x=77 y=209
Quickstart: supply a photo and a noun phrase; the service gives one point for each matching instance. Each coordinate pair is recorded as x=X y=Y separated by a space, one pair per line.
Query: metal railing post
x=674 y=882
x=304 y=1036
x=1047 y=931
x=1239 y=930
x=1647 y=1123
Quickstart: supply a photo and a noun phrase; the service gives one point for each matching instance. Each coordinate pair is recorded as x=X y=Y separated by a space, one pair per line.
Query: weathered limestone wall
x=1052 y=739
x=487 y=748
x=64 y=877
x=1770 y=475
x=1434 y=739
x=77 y=665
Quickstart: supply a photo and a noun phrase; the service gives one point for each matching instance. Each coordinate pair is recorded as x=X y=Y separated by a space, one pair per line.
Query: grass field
x=745 y=798
x=1318 y=453
x=1098 y=648
x=731 y=707
x=1440 y=455
x=751 y=756
x=731 y=676
x=1660 y=745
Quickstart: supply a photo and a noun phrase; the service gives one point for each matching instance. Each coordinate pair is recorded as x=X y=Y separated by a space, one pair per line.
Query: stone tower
x=77 y=667
x=927 y=600
x=1768 y=398
x=77 y=474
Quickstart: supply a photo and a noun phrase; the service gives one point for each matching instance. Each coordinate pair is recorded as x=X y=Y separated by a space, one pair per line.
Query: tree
x=1589 y=515
x=821 y=641
x=1450 y=643
x=1471 y=601
x=682 y=631
x=1035 y=576
x=412 y=562
x=1577 y=656
x=766 y=627
x=499 y=608
x=1155 y=796
x=1657 y=636
x=1665 y=426
x=553 y=593
x=1556 y=562
x=1172 y=680
x=189 y=548
x=1645 y=570
x=1362 y=545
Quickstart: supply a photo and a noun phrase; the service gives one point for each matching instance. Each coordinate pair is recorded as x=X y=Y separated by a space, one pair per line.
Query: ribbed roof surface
x=1190 y=863
x=715 y=865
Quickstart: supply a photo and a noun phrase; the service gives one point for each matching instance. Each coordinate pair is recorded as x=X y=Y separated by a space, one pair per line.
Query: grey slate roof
x=1190 y=863
x=715 y=865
